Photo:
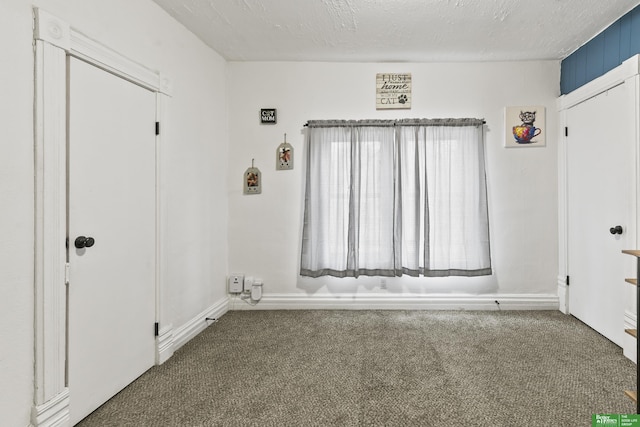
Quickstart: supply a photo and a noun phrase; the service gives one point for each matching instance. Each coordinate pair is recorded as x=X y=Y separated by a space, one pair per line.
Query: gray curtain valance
x=400 y=122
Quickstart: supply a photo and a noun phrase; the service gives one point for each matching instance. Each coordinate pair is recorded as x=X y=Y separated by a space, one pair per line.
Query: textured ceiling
x=395 y=30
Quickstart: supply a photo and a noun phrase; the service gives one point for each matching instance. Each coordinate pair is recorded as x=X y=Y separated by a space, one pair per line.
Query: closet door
x=601 y=194
x=111 y=295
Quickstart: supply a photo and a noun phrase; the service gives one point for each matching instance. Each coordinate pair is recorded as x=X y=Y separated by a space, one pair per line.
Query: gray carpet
x=381 y=368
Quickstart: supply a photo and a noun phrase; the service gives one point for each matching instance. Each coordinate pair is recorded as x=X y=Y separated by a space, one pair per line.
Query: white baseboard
x=629 y=348
x=563 y=295
x=164 y=344
x=189 y=330
x=52 y=413
x=400 y=302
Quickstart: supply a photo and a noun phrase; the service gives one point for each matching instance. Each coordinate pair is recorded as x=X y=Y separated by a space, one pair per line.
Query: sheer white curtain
x=395 y=197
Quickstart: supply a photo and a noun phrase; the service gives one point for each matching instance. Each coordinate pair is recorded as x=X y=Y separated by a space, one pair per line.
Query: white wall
x=16 y=213
x=263 y=234
x=193 y=181
x=264 y=230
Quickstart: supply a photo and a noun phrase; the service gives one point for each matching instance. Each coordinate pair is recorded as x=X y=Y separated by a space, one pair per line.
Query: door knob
x=84 y=242
x=616 y=230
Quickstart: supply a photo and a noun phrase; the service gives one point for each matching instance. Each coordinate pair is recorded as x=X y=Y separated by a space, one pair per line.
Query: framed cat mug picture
x=525 y=126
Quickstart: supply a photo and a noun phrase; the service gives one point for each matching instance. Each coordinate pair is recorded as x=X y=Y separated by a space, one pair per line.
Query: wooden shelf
x=634 y=332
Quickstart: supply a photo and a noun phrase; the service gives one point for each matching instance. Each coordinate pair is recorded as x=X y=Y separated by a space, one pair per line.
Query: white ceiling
x=395 y=30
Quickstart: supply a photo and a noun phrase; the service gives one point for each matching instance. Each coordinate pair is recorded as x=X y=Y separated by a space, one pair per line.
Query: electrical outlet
x=236 y=283
x=383 y=283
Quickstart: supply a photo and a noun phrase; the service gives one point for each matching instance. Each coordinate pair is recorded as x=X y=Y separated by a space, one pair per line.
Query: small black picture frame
x=268 y=116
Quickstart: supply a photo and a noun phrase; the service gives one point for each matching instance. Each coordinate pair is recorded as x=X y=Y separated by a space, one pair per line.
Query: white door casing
x=54 y=41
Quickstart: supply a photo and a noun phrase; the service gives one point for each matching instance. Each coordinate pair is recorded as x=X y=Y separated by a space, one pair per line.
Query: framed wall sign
x=252 y=180
x=284 y=156
x=525 y=126
x=268 y=116
x=393 y=91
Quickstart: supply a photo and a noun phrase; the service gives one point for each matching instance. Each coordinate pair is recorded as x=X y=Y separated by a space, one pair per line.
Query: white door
x=111 y=294
x=601 y=195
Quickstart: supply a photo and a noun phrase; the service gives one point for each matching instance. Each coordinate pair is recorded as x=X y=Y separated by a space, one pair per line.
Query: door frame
x=629 y=69
x=54 y=40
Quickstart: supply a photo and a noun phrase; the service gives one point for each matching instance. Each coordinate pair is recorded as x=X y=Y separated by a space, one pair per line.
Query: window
x=387 y=198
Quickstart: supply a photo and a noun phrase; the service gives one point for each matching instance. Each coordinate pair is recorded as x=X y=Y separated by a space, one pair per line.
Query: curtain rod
x=406 y=122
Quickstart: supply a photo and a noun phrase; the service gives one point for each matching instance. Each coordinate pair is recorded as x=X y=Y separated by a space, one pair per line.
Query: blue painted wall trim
x=619 y=42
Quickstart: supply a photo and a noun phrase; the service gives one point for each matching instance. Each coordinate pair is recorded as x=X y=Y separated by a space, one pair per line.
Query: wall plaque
x=284 y=156
x=252 y=180
x=393 y=91
x=268 y=116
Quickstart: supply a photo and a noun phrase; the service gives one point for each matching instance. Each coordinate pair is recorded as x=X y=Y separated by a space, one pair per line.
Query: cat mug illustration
x=525 y=132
